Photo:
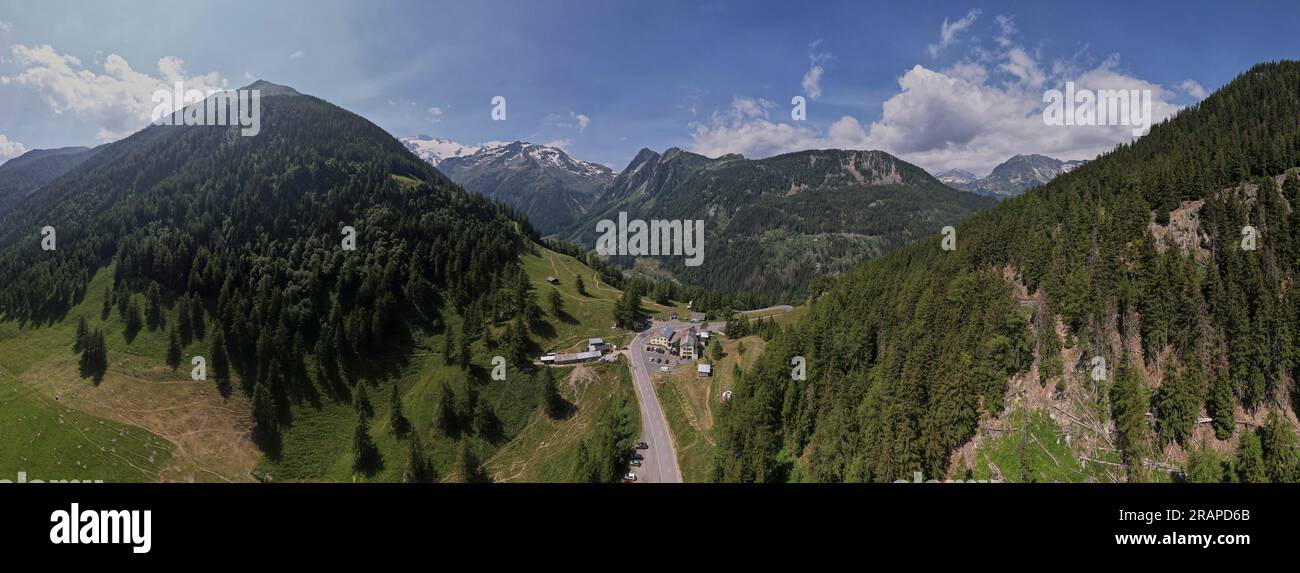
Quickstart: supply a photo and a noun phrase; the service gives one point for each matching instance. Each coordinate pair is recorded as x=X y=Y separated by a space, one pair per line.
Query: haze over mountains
x=1012 y=177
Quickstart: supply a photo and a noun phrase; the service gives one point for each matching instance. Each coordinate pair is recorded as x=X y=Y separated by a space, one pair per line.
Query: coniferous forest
x=1139 y=258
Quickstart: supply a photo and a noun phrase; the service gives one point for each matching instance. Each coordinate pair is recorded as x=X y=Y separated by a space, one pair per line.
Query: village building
x=704 y=370
x=664 y=338
x=689 y=347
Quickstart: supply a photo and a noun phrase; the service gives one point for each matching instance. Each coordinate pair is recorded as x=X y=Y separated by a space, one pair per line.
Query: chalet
x=704 y=370
x=552 y=280
x=597 y=345
x=689 y=347
x=664 y=338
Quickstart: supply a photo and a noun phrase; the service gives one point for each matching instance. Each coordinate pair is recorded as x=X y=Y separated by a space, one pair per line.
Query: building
x=704 y=370
x=689 y=347
x=664 y=338
x=571 y=358
x=552 y=280
x=597 y=345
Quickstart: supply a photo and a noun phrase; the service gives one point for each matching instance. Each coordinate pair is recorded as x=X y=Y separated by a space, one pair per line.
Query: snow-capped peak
x=518 y=154
x=435 y=150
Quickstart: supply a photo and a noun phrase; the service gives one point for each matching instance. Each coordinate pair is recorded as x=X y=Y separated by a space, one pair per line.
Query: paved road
x=660 y=463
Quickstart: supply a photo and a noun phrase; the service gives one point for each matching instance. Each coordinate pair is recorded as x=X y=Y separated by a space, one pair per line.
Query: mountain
x=773 y=225
x=27 y=173
x=550 y=187
x=1012 y=177
x=1114 y=315
x=183 y=241
x=435 y=151
x=958 y=179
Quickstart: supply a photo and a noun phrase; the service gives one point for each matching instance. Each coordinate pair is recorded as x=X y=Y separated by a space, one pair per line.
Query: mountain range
x=545 y=183
x=773 y=225
x=1012 y=177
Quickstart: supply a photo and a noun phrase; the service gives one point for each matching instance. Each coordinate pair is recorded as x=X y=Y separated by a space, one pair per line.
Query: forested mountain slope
x=773 y=225
x=908 y=353
x=27 y=173
x=231 y=247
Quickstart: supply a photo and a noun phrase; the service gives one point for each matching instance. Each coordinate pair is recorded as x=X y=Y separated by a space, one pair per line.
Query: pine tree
x=469 y=468
x=108 y=304
x=264 y=412
x=418 y=468
x=715 y=350
x=361 y=401
x=446 y=417
x=580 y=286
x=220 y=362
x=1250 y=459
x=447 y=355
x=397 y=422
x=556 y=302
x=1277 y=444
x=184 y=321
x=174 y=349
x=553 y=403
x=364 y=453
x=1222 y=406
x=83 y=335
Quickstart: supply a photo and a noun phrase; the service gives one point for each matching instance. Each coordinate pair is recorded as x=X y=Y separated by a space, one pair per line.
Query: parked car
x=635 y=463
x=630 y=476
x=638 y=457
x=642 y=446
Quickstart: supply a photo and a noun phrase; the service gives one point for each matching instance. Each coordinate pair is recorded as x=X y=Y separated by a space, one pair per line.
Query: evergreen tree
x=580 y=286
x=1250 y=459
x=361 y=401
x=83 y=334
x=418 y=467
x=469 y=467
x=108 y=304
x=220 y=362
x=364 y=452
x=265 y=418
x=446 y=417
x=397 y=422
x=174 y=349
x=552 y=402
x=1222 y=407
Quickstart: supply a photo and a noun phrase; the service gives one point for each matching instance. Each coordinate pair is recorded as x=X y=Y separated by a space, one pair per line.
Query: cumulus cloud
x=117 y=101
x=971 y=115
x=949 y=30
x=6 y=26
x=1194 y=89
x=435 y=114
x=560 y=143
x=297 y=54
x=10 y=149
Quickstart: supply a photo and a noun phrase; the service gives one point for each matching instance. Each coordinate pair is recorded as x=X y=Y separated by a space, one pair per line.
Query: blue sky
x=942 y=84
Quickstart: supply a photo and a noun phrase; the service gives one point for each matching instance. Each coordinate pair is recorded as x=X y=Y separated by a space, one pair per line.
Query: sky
x=941 y=84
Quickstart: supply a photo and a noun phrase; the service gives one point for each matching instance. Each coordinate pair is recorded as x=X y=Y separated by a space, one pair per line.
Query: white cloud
x=575 y=120
x=297 y=54
x=10 y=149
x=1194 y=89
x=117 y=101
x=6 y=26
x=812 y=79
x=971 y=115
x=435 y=114
x=949 y=30
x=560 y=143
x=582 y=120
